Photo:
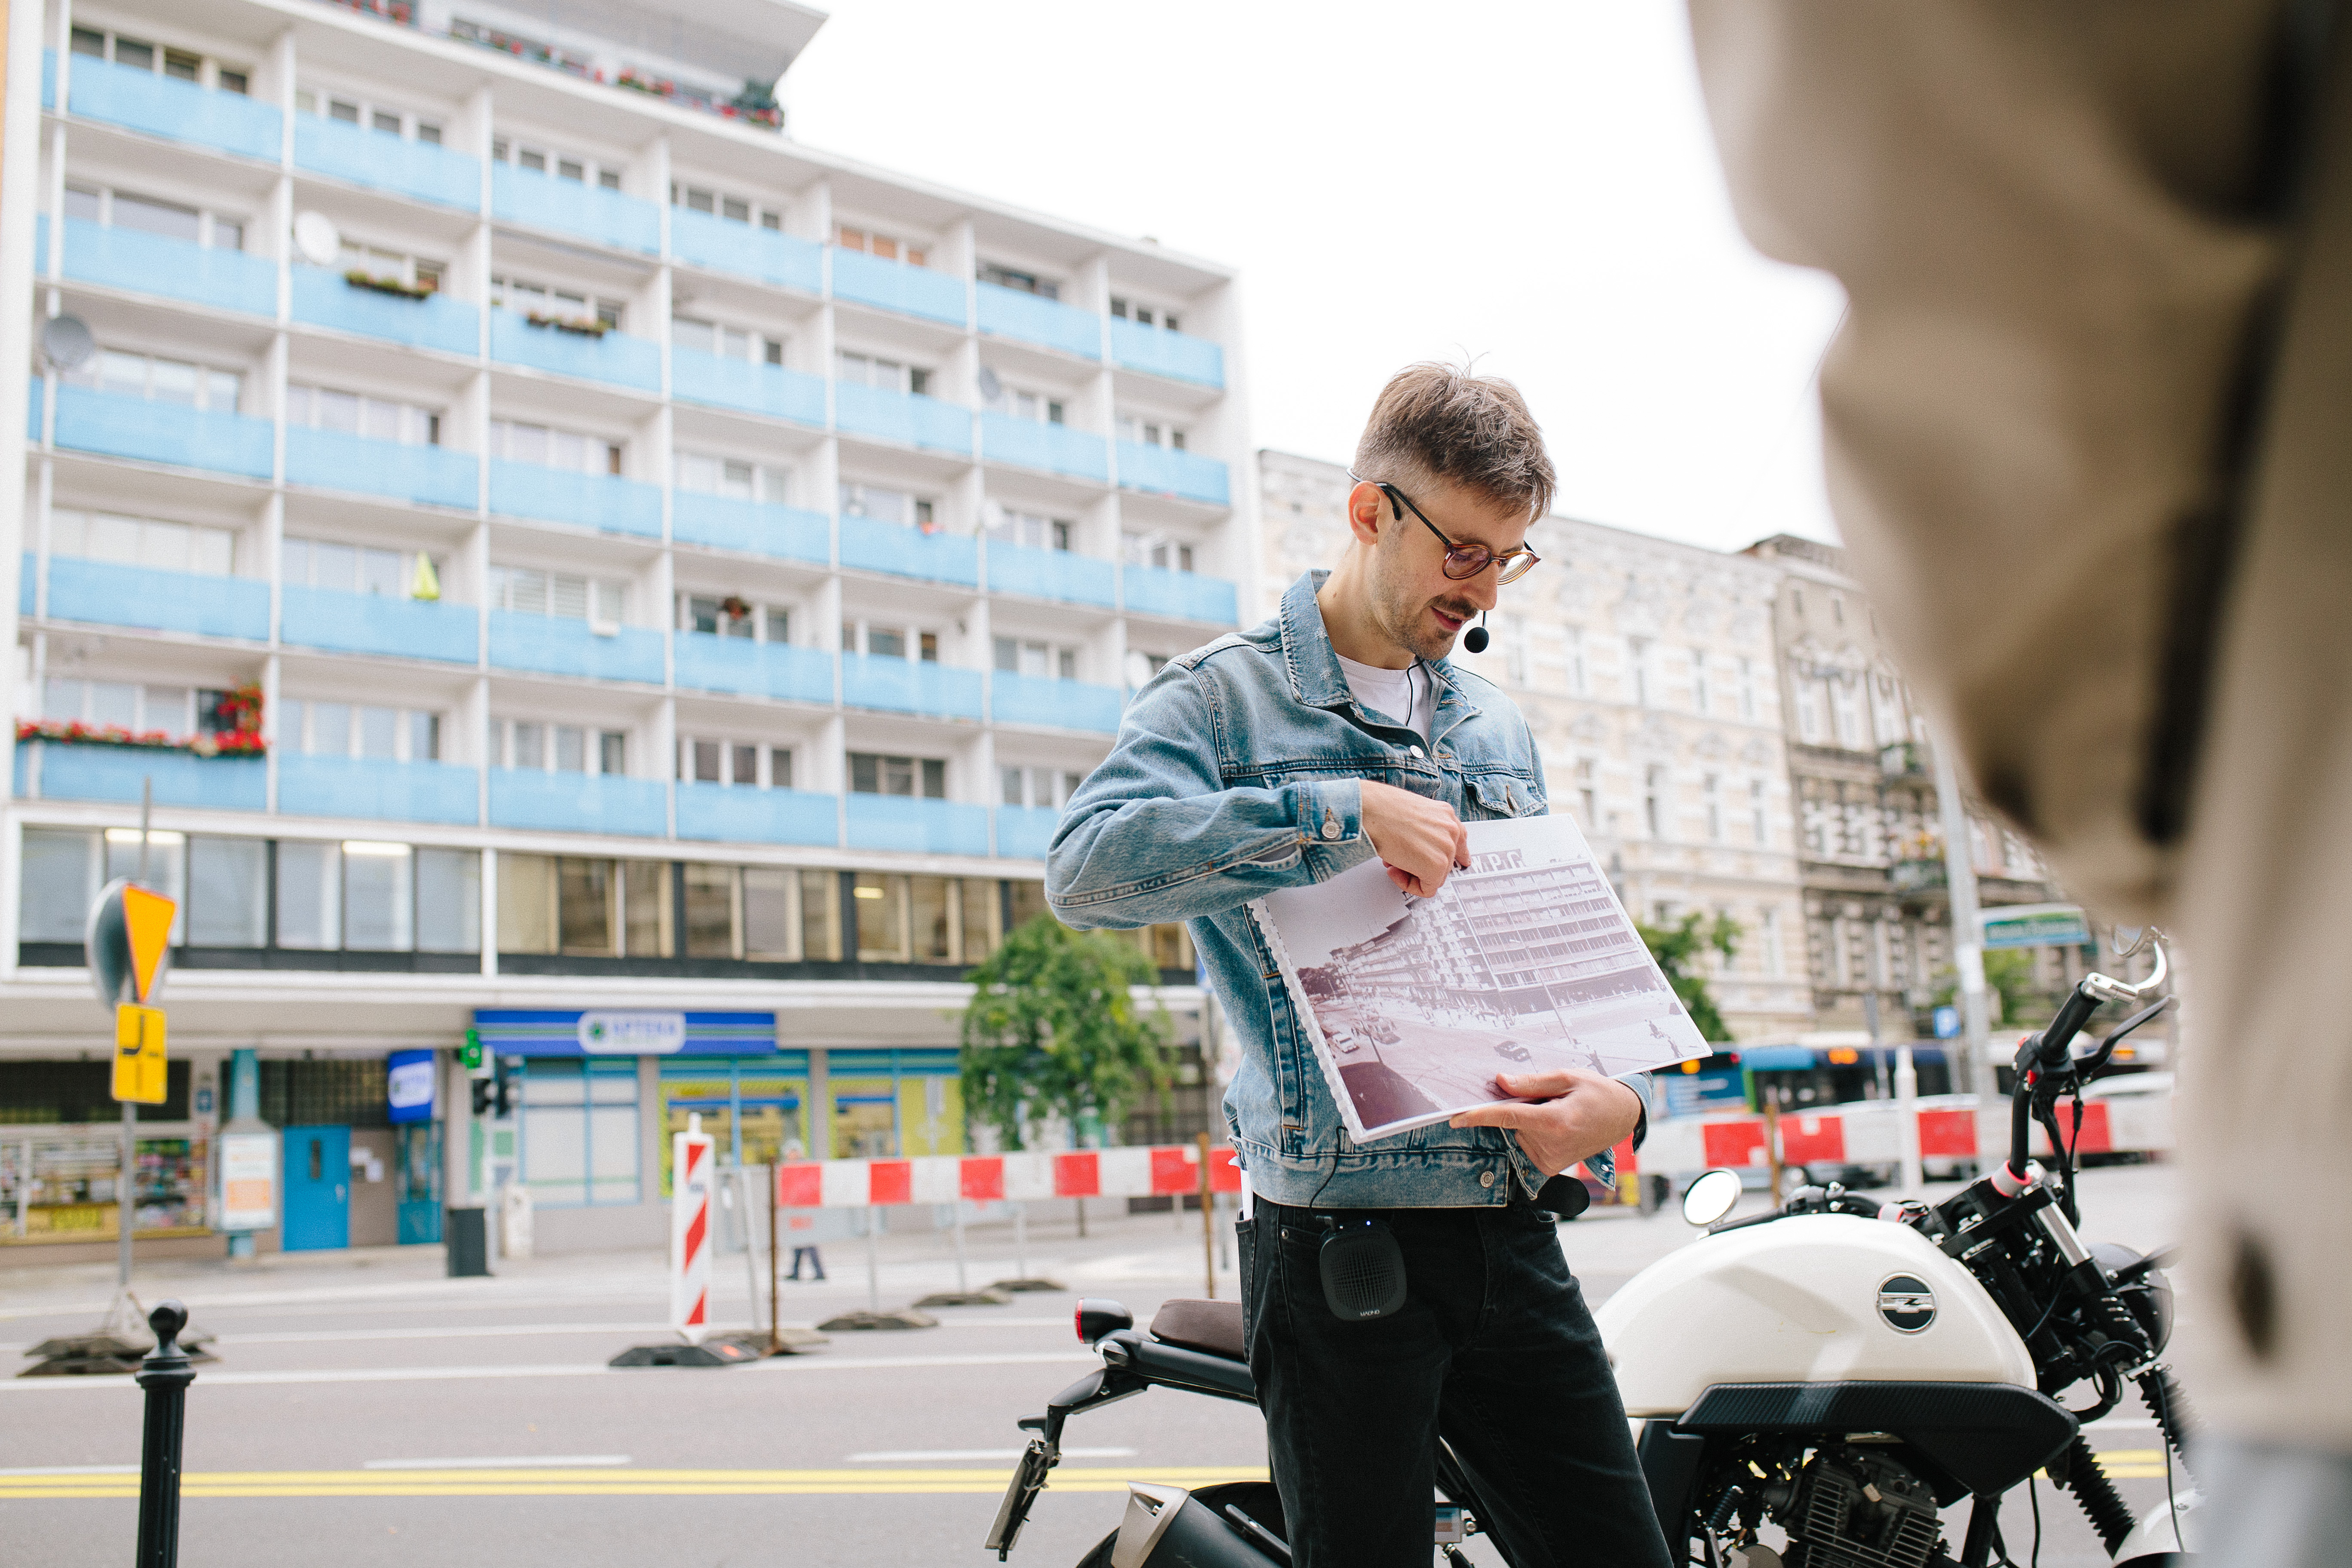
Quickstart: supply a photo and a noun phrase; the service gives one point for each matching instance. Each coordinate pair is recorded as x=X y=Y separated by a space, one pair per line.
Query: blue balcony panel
x=1023 y=833
x=551 y=645
x=172 y=268
x=27 y=588
x=36 y=395
x=118 y=427
x=615 y=358
x=1056 y=448
x=577 y=803
x=736 y=815
x=1060 y=704
x=323 y=298
x=917 y=826
x=908 y=418
x=1159 y=351
x=110 y=594
x=378 y=789
x=1164 y=470
x=757 y=528
x=559 y=495
x=910 y=291
x=337 y=460
x=906 y=686
x=48 y=79
x=116 y=773
x=165 y=106
x=785 y=260
x=1180 y=595
x=383 y=161
x=909 y=552
x=771 y=390
x=342 y=622
x=1010 y=313
x=568 y=207
x=1052 y=575
x=746 y=668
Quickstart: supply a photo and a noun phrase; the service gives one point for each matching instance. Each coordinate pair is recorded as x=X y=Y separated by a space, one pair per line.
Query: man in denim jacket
x=1283 y=755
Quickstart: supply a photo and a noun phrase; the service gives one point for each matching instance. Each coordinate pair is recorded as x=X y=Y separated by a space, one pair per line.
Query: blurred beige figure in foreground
x=2088 y=431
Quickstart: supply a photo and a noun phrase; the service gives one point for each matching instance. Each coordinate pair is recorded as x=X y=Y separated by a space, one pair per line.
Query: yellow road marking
x=607 y=1483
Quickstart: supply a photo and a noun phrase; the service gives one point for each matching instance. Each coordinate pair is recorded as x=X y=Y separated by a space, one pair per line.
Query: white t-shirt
x=1403 y=695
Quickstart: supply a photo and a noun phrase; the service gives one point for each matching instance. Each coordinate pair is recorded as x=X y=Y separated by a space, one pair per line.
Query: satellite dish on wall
x=317 y=239
x=990 y=389
x=66 y=342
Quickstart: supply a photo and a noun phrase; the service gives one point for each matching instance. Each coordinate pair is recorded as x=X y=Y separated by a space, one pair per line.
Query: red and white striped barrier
x=1951 y=1127
x=1161 y=1171
x=690 y=1230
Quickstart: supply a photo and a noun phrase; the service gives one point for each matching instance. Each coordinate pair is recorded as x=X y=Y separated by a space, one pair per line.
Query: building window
x=175 y=711
x=1148 y=430
x=1700 y=700
x=879 y=504
x=873 y=773
x=358 y=730
x=357 y=569
x=114 y=209
x=881 y=373
x=1579 y=680
x=881 y=246
x=144 y=541
x=352 y=413
x=577 y=1136
x=708 y=474
x=1143 y=315
x=1772 y=955
x=876 y=640
x=1587 y=793
x=1514 y=650
x=746 y=764
x=1037 y=407
x=572 y=451
x=528 y=591
x=734 y=617
x=1025 y=282
x=353 y=109
x=921 y=919
x=578 y=168
x=718 y=204
x=1653 y=800
x=1036 y=659
x=1637 y=650
x=1156 y=550
x=392 y=266
x=1756 y=812
x=723 y=341
x=548 y=300
x=1038 y=789
x=1747 y=689
x=1845 y=702
x=530 y=745
x=1713 y=796
x=585 y=907
x=159 y=379
x=1030 y=529
x=178 y=64
x=1809 y=711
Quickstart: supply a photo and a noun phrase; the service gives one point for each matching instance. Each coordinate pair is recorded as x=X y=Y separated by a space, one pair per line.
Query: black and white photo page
x=1523 y=963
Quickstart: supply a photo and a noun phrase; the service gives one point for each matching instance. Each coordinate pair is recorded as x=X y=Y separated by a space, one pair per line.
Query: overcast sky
x=1532 y=183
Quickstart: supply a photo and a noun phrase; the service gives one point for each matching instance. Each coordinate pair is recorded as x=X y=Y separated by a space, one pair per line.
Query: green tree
x=1052 y=1029
x=1678 y=948
x=2009 y=987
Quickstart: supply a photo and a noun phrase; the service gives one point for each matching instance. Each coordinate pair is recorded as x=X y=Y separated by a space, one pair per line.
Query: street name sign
x=2036 y=925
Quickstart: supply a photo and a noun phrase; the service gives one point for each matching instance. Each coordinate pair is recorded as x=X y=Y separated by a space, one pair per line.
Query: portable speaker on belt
x=1362 y=1268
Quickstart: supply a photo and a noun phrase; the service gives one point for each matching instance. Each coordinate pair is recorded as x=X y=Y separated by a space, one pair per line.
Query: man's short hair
x=1437 y=421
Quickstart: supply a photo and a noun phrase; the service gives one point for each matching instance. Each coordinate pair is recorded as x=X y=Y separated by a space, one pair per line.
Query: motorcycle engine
x=1852 y=1509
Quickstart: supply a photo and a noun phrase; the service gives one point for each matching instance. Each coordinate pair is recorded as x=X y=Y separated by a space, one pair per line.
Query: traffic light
x=471 y=1056
x=483 y=1090
x=509 y=1069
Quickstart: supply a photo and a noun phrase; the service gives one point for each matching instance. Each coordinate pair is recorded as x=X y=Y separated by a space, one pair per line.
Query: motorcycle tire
x=1256 y=1499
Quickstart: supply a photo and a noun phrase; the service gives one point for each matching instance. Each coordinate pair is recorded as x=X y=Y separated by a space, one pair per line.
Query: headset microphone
x=1475 y=640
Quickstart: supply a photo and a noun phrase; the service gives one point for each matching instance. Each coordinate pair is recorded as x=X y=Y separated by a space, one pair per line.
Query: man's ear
x=1367 y=511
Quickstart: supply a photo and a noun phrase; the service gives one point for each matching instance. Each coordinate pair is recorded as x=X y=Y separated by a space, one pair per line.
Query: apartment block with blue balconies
x=551 y=539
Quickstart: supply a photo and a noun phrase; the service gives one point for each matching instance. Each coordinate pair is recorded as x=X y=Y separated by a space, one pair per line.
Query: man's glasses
x=1461 y=560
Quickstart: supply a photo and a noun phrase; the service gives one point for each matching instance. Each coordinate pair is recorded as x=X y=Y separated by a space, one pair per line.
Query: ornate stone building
x=1646 y=670
x=1870 y=839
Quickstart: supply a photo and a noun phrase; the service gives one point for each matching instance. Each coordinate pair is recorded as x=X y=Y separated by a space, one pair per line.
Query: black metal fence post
x=165 y=1375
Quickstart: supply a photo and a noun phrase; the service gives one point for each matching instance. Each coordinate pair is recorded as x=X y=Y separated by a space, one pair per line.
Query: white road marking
x=786 y=1366
x=516 y=1462
x=495 y=1330
x=920 y=1456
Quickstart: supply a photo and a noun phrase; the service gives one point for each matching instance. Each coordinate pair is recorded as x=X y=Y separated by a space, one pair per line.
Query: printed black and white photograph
x=1525 y=962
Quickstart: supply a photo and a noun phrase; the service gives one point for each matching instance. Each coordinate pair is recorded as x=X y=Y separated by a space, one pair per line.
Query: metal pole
x=164 y=1375
x=127 y=1189
x=1021 y=1241
x=1772 y=1137
x=1208 y=1222
x=1967 y=934
x=964 y=1286
x=775 y=1343
x=873 y=1263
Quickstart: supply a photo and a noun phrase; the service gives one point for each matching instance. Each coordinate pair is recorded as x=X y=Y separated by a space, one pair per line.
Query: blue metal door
x=317 y=1189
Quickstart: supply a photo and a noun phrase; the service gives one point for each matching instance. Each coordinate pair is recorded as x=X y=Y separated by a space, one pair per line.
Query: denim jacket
x=1237 y=773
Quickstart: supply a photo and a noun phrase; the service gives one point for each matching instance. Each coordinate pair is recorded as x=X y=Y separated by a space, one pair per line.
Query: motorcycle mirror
x=1710 y=1197
x=2127 y=940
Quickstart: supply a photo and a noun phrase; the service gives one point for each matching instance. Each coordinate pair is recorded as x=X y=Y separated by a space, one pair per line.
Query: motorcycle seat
x=1213 y=1328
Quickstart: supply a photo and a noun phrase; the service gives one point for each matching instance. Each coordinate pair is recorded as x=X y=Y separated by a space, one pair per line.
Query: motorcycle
x=1838 y=1368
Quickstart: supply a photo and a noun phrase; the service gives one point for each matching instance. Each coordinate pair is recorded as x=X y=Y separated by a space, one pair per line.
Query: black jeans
x=1493 y=1351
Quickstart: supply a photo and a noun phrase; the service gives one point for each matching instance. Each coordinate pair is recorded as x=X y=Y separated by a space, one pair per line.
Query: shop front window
x=579 y=1132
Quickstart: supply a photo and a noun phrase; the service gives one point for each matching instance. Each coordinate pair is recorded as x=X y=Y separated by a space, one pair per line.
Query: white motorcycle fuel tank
x=1809 y=1299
